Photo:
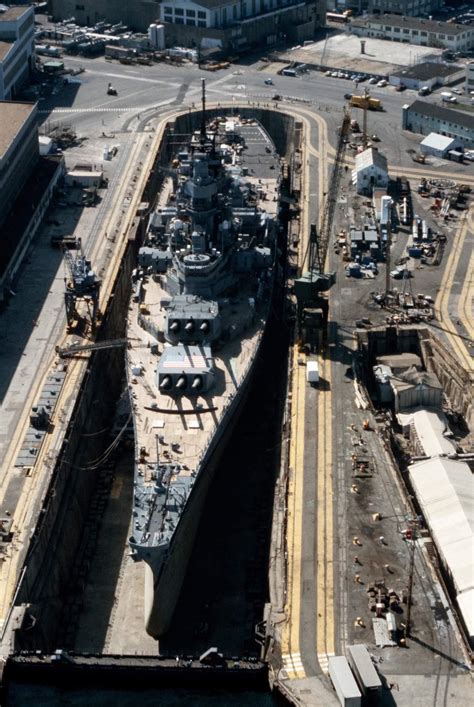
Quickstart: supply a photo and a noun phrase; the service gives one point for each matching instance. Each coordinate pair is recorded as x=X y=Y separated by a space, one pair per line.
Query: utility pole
x=387 y=259
x=410 y=579
x=364 y=119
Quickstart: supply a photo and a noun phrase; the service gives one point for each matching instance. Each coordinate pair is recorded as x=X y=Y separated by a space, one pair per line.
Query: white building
x=425 y=118
x=439 y=145
x=414 y=30
x=370 y=171
x=17 y=31
x=427 y=73
x=469 y=78
x=445 y=492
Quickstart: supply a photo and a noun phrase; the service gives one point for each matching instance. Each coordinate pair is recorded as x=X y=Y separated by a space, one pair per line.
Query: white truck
x=344 y=682
x=312 y=372
x=364 y=671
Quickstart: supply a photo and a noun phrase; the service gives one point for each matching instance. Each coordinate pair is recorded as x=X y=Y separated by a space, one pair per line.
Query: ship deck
x=177 y=431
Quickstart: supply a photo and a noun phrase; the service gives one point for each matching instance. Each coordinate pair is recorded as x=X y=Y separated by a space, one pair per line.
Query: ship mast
x=203 y=116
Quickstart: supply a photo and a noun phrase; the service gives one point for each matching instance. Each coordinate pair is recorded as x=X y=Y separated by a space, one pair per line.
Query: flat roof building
x=427 y=73
x=414 y=30
x=425 y=118
x=17 y=31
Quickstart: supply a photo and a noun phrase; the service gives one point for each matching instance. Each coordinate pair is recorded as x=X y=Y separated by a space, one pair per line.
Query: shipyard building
x=228 y=25
x=17 y=30
x=26 y=184
x=425 y=118
x=412 y=30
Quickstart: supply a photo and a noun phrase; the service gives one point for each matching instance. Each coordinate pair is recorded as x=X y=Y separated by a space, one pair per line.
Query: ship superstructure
x=201 y=298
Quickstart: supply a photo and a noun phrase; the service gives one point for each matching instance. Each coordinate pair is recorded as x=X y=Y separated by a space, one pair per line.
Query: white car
x=458 y=91
x=373 y=80
x=382 y=83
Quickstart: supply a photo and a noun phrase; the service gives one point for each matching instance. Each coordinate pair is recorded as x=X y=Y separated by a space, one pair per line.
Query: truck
x=312 y=372
x=113 y=51
x=365 y=673
x=447 y=97
x=344 y=682
x=363 y=102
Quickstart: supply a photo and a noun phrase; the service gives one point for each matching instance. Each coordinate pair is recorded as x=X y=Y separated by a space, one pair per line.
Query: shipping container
x=344 y=682
x=364 y=670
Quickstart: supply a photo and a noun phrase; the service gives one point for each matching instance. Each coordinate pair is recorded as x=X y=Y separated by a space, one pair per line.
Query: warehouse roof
x=439 y=142
x=370 y=157
x=12 y=13
x=431 y=430
x=445 y=492
x=448 y=114
x=13 y=116
x=410 y=23
x=427 y=70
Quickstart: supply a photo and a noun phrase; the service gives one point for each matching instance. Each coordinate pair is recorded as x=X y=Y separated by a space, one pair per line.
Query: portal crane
x=82 y=284
x=313 y=306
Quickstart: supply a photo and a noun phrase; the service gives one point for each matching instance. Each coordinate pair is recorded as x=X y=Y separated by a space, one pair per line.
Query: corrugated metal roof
x=370 y=157
x=439 y=142
x=430 y=427
x=445 y=492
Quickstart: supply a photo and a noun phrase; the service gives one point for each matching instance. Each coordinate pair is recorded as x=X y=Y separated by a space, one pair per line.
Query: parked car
x=458 y=91
x=269 y=82
x=373 y=80
x=400 y=87
x=382 y=83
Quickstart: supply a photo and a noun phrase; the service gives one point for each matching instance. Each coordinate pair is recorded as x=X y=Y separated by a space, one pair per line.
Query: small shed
x=84 y=178
x=415 y=388
x=45 y=144
x=439 y=145
x=370 y=171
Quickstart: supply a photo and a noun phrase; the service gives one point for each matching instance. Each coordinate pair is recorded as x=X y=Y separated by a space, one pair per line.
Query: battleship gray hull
x=201 y=301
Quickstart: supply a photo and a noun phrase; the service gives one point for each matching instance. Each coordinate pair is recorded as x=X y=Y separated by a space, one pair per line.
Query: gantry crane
x=312 y=305
x=82 y=284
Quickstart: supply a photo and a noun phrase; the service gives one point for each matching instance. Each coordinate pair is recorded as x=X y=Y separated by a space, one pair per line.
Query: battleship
x=201 y=300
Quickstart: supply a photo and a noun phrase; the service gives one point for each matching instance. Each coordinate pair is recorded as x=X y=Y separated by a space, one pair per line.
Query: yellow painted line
x=291 y=634
x=324 y=519
x=466 y=301
x=442 y=301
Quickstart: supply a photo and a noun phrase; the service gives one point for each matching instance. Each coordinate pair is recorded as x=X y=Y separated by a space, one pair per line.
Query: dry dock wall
x=58 y=533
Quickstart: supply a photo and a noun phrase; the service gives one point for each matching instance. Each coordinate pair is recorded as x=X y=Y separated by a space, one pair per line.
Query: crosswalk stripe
x=323 y=660
x=293 y=665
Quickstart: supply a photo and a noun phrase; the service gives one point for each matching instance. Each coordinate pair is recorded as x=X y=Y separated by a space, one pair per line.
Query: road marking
x=291 y=635
x=293 y=665
x=442 y=301
x=324 y=517
x=323 y=660
x=466 y=300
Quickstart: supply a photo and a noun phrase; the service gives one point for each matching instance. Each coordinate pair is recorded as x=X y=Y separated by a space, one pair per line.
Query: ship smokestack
x=204 y=327
x=175 y=325
x=181 y=382
x=189 y=326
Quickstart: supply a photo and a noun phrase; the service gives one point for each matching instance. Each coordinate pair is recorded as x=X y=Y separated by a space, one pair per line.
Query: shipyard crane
x=82 y=284
x=313 y=306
